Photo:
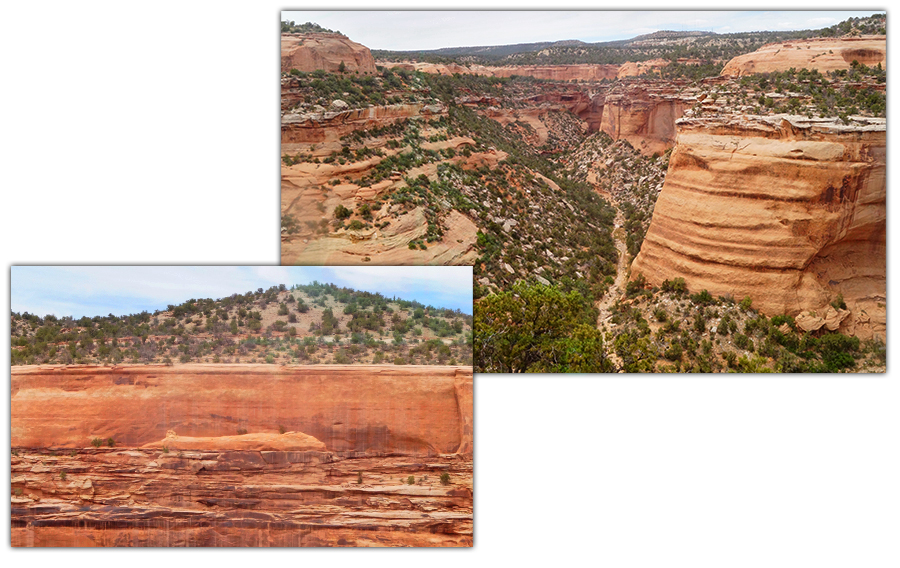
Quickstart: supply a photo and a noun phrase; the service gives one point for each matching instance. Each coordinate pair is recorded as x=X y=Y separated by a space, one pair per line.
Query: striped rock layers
x=786 y=211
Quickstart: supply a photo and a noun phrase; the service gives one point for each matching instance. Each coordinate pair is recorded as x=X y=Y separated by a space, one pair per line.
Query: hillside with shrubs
x=299 y=325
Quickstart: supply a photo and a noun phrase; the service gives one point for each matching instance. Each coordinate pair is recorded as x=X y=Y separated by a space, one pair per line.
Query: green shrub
x=746 y=303
x=445 y=478
x=411 y=480
x=703 y=298
x=97 y=442
x=110 y=442
x=341 y=212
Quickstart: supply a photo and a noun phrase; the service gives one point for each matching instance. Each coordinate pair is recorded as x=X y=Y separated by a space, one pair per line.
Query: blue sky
x=100 y=290
x=411 y=30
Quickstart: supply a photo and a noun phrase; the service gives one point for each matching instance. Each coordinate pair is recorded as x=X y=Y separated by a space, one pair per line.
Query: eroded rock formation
x=644 y=114
x=788 y=211
x=263 y=456
x=325 y=126
x=311 y=51
x=823 y=54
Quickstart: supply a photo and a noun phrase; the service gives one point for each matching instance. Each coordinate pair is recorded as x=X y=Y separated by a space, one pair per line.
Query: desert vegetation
x=301 y=324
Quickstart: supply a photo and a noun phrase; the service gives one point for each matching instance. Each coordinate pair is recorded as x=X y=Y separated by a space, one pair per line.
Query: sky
x=420 y=30
x=121 y=290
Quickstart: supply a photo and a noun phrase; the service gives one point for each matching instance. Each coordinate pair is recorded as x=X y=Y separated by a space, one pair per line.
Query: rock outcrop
x=408 y=409
x=338 y=475
x=644 y=114
x=329 y=126
x=788 y=211
x=823 y=54
x=327 y=51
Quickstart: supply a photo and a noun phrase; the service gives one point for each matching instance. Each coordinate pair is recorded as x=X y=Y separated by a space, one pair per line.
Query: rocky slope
x=236 y=455
x=327 y=51
x=823 y=54
x=785 y=210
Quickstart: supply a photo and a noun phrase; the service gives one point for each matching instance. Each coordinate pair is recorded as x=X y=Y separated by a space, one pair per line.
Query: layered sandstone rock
x=143 y=497
x=823 y=54
x=320 y=127
x=644 y=114
x=326 y=51
x=338 y=477
x=788 y=211
x=407 y=409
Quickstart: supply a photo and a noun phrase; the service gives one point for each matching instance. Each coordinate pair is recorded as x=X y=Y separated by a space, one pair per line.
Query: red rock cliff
x=326 y=51
x=824 y=54
x=789 y=212
x=417 y=410
x=371 y=456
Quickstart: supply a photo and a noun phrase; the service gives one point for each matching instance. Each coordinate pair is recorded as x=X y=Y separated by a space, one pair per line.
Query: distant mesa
x=821 y=54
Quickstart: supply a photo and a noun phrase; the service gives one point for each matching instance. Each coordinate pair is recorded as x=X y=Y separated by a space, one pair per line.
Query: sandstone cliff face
x=787 y=211
x=823 y=54
x=643 y=114
x=142 y=497
x=179 y=476
x=357 y=407
x=315 y=128
x=326 y=51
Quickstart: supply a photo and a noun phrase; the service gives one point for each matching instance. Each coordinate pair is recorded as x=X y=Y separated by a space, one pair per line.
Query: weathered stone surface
x=239 y=499
x=326 y=51
x=823 y=54
x=643 y=114
x=358 y=407
x=378 y=425
x=330 y=126
x=787 y=211
x=289 y=441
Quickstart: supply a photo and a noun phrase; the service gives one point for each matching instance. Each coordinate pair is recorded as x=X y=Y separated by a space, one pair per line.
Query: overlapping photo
x=636 y=191
x=241 y=406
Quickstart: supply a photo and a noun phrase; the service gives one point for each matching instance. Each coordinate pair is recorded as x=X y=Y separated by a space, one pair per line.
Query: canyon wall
x=823 y=54
x=407 y=409
x=332 y=456
x=315 y=128
x=326 y=51
x=788 y=211
x=644 y=116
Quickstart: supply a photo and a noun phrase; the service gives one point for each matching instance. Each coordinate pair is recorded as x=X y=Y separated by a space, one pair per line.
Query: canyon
x=242 y=455
x=773 y=163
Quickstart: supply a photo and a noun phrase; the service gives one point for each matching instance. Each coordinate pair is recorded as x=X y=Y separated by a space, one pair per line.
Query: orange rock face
x=326 y=51
x=789 y=212
x=355 y=407
x=330 y=126
x=242 y=455
x=823 y=54
x=643 y=115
